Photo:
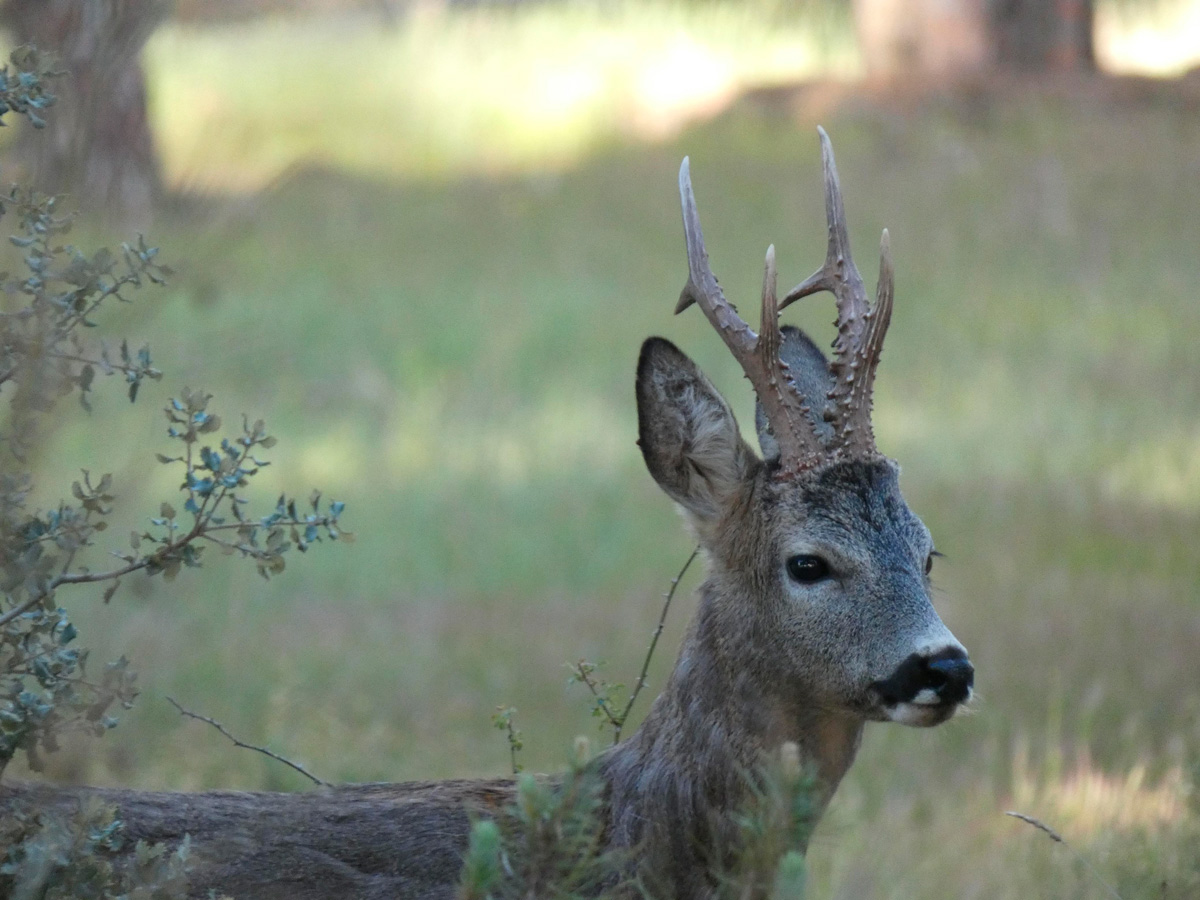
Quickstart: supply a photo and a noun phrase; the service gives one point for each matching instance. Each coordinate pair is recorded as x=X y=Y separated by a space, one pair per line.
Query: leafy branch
x=36 y=561
x=503 y=720
x=46 y=311
x=24 y=90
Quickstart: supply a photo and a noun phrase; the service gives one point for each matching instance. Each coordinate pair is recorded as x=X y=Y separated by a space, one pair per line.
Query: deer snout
x=950 y=677
x=940 y=680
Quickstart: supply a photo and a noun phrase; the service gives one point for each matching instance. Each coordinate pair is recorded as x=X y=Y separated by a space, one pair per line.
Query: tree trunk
x=954 y=38
x=1043 y=35
x=939 y=38
x=97 y=145
x=354 y=842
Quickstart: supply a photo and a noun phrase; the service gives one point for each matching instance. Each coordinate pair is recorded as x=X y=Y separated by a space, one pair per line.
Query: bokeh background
x=425 y=241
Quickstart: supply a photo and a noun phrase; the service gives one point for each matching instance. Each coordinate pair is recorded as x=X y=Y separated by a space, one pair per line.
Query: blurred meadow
x=427 y=254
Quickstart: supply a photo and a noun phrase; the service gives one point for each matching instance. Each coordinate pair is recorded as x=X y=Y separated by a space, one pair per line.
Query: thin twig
x=72 y=357
x=582 y=674
x=1059 y=839
x=619 y=723
x=84 y=578
x=20 y=610
x=263 y=750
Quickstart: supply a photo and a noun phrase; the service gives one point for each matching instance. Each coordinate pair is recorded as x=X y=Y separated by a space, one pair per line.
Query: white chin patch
x=919 y=714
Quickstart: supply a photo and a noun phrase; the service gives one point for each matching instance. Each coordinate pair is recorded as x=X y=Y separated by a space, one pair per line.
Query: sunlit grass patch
x=1161 y=37
x=1124 y=831
x=531 y=87
x=1164 y=470
x=1087 y=800
x=449 y=90
x=514 y=447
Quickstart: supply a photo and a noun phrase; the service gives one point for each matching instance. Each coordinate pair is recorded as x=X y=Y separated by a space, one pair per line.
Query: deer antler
x=758 y=355
x=860 y=328
x=857 y=349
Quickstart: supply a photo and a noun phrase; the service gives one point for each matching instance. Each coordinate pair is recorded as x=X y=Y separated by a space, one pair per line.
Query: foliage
x=609 y=698
x=24 y=90
x=774 y=826
x=549 y=843
x=49 y=858
x=503 y=720
x=46 y=687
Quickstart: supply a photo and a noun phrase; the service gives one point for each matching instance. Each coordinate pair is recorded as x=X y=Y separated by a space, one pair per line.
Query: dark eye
x=807 y=569
x=929 y=561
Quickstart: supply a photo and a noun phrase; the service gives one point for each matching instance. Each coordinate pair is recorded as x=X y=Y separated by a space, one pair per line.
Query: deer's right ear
x=687 y=432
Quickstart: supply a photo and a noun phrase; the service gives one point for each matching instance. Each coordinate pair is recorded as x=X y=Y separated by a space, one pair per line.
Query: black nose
x=951 y=676
x=947 y=673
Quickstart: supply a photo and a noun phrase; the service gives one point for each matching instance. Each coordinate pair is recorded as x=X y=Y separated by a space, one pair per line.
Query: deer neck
x=682 y=775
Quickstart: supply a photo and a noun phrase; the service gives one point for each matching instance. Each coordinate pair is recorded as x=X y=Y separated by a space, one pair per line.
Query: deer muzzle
x=926 y=689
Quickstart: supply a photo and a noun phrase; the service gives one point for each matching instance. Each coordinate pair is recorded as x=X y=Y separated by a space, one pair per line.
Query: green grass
x=453 y=356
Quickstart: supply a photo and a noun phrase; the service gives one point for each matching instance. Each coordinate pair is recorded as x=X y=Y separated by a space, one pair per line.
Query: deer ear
x=811 y=374
x=687 y=432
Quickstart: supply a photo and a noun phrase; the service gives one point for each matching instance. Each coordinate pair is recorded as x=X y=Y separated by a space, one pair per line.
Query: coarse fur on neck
x=677 y=785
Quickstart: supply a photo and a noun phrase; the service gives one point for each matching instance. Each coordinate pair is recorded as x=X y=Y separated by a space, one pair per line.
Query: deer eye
x=807 y=569
x=929 y=561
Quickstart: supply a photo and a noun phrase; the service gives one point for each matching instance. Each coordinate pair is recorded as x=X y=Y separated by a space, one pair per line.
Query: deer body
x=814 y=618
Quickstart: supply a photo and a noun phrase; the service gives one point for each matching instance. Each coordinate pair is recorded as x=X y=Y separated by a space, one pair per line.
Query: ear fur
x=687 y=432
x=810 y=372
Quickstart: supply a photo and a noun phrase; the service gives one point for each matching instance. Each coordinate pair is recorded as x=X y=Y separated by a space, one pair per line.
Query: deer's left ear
x=687 y=432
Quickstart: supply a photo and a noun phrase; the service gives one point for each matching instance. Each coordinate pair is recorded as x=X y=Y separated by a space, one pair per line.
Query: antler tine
x=838 y=275
x=702 y=287
x=860 y=328
x=770 y=337
x=799 y=446
x=858 y=435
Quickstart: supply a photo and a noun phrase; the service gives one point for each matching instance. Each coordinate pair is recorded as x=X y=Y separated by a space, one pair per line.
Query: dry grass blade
x=1059 y=839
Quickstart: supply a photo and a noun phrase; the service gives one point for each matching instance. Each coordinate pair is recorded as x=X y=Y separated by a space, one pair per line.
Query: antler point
x=686 y=299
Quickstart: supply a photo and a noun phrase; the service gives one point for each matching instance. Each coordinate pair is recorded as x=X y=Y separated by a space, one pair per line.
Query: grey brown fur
x=781 y=649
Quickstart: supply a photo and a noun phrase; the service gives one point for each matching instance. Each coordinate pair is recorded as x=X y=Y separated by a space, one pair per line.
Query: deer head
x=818 y=586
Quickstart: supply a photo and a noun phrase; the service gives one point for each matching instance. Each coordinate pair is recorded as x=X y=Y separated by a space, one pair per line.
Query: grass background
x=432 y=282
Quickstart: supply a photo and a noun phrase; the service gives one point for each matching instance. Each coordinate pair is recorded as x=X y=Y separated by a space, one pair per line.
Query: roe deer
x=814 y=617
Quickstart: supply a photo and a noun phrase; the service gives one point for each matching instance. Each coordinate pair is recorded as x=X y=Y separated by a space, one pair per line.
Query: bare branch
x=263 y=750
x=658 y=630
